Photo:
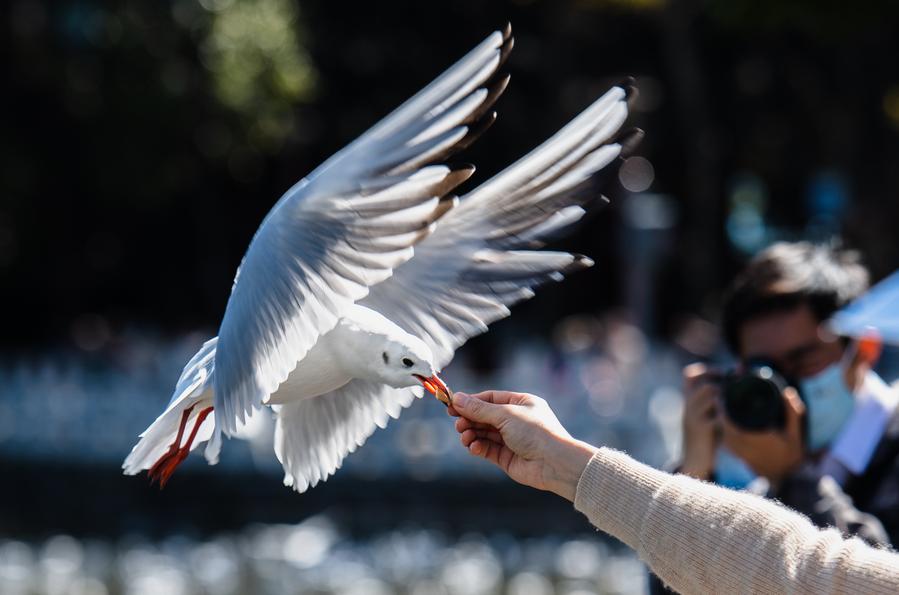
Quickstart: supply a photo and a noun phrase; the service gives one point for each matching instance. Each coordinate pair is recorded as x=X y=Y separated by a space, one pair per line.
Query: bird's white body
x=351 y=350
x=324 y=369
x=369 y=273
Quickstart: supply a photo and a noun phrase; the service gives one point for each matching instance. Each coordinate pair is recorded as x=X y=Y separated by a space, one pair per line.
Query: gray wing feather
x=469 y=272
x=313 y=436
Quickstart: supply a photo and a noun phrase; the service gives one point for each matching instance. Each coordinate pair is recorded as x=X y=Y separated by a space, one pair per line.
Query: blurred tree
x=259 y=68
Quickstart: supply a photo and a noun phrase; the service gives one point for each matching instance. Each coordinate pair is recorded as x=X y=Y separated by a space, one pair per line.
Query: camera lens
x=752 y=399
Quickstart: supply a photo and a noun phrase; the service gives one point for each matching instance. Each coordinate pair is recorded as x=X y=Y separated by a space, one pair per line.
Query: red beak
x=436 y=387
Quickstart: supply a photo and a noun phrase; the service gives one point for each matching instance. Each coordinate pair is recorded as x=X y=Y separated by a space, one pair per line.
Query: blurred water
x=317 y=557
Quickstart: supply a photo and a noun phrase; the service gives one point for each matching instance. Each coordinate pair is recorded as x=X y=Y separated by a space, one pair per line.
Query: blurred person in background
x=698 y=537
x=821 y=428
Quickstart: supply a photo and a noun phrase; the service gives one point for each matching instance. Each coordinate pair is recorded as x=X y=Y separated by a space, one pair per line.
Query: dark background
x=143 y=142
x=130 y=189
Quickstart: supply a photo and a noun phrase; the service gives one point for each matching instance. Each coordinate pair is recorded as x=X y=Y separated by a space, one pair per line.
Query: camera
x=752 y=396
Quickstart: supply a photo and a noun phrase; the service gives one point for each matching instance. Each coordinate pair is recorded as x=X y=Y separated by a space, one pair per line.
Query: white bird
x=331 y=320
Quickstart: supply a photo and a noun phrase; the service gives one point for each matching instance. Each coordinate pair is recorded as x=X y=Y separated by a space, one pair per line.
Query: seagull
x=369 y=273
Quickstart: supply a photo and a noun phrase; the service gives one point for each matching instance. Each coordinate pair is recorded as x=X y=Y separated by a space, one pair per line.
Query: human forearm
x=700 y=538
x=565 y=462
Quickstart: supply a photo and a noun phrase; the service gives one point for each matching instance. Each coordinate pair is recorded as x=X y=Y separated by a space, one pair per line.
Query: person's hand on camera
x=521 y=435
x=700 y=422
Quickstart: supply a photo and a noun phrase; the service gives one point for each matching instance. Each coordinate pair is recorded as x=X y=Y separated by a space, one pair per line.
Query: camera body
x=752 y=397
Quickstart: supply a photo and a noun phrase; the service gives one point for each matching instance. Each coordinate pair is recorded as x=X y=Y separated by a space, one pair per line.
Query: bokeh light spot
x=636 y=174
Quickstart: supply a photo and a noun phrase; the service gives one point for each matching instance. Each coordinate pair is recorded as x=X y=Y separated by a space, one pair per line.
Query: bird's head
x=408 y=361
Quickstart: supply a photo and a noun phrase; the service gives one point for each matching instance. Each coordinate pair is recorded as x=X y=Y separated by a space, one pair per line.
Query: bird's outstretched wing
x=477 y=263
x=346 y=227
x=313 y=436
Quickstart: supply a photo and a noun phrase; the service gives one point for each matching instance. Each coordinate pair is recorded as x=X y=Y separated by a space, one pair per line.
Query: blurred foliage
x=257 y=64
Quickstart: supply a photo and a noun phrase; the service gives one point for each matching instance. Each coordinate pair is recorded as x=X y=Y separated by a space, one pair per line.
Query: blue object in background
x=877 y=309
x=731 y=471
x=826 y=201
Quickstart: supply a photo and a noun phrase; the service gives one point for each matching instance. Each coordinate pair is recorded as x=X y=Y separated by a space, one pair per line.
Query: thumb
x=478 y=410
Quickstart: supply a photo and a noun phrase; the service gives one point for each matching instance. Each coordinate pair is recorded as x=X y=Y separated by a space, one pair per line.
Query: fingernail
x=460 y=400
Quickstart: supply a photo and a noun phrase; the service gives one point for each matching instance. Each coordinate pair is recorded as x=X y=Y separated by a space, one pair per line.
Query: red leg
x=201 y=417
x=184 y=417
x=163 y=468
x=173 y=447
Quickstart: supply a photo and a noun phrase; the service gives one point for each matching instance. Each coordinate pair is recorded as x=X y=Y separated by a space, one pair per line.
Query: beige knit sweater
x=701 y=538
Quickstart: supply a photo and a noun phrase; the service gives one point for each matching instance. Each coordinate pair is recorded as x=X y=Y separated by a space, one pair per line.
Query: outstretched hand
x=521 y=435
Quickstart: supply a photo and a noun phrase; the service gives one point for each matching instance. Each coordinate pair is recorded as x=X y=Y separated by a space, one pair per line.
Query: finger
x=705 y=398
x=795 y=410
x=479 y=410
x=502 y=397
x=451 y=411
x=486 y=449
x=698 y=374
x=496 y=454
x=467 y=437
x=695 y=370
x=491 y=435
x=463 y=424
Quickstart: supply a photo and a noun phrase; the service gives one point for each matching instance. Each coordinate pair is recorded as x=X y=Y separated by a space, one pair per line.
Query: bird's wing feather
x=346 y=227
x=313 y=436
x=192 y=387
x=476 y=263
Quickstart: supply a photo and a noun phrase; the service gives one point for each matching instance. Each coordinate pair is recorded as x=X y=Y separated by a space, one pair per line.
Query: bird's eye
x=407 y=362
x=385 y=357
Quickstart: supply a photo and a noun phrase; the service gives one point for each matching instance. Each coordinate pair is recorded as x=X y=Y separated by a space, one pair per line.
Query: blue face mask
x=828 y=404
x=731 y=471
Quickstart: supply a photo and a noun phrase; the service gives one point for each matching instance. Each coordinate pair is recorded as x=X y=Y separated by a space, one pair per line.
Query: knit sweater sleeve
x=701 y=538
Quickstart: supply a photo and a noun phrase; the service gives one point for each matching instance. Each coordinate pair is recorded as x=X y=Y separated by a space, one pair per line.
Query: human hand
x=700 y=422
x=521 y=435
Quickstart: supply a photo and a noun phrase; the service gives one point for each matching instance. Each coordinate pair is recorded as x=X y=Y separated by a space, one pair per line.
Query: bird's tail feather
x=194 y=388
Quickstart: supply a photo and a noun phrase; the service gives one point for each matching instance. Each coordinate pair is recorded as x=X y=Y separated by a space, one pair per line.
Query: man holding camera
x=803 y=409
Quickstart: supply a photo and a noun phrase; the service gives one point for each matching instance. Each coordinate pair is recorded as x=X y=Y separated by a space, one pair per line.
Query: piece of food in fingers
x=438 y=388
x=445 y=395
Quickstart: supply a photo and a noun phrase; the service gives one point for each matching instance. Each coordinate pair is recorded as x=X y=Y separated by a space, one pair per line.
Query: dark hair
x=785 y=276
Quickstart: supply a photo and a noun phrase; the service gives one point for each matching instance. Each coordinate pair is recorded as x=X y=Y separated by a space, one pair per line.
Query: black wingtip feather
x=494 y=90
x=476 y=130
x=458 y=173
x=630 y=140
x=505 y=50
x=460 y=166
x=579 y=263
x=629 y=84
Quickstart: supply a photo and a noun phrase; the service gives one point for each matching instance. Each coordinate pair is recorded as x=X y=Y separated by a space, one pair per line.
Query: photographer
x=803 y=408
